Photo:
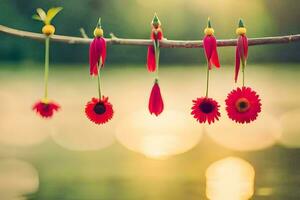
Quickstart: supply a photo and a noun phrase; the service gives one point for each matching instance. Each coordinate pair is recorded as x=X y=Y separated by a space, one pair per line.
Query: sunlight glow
x=158 y=137
x=291 y=129
x=260 y=134
x=230 y=179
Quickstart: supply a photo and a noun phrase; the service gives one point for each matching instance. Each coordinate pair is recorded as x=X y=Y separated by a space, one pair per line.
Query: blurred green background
x=70 y=158
x=131 y=19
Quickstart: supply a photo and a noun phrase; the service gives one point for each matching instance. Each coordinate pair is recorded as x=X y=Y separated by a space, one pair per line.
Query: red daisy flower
x=243 y=105
x=210 y=47
x=99 y=111
x=241 y=53
x=206 y=109
x=45 y=108
x=156 y=104
x=97 y=52
x=156 y=35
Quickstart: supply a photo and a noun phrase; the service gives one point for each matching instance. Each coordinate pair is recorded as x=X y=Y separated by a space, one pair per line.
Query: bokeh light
x=73 y=130
x=291 y=128
x=17 y=178
x=260 y=134
x=230 y=179
x=159 y=137
x=19 y=125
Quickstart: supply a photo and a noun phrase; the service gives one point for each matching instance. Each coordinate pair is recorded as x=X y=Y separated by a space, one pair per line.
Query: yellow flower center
x=45 y=100
x=209 y=31
x=241 y=31
x=48 y=29
x=98 y=32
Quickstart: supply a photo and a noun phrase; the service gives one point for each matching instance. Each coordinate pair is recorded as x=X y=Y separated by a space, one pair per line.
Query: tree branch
x=145 y=42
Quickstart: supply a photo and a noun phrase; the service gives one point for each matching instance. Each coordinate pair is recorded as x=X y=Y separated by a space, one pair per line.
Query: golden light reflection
x=260 y=134
x=17 y=178
x=158 y=137
x=230 y=179
x=291 y=128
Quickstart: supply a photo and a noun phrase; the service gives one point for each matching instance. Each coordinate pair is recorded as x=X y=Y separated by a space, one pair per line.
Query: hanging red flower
x=45 y=108
x=153 y=50
x=205 y=109
x=243 y=105
x=97 y=50
x=156 y=104
x=98 y=110
x=241 y=49
x=210 y=47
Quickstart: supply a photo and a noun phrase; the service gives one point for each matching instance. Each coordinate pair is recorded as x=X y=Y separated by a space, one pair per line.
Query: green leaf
x=36 y=17
x=52 y=12
x=41 y=13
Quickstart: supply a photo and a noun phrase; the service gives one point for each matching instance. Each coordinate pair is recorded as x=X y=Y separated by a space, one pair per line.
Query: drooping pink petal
x=151 y=59
x=208 y=49
x=211 y=53
x=240 y=46
x=215 y=59
x=156 y=104
x=237 y=63
x=97 y=51
x=245 y=44
x=103 y=54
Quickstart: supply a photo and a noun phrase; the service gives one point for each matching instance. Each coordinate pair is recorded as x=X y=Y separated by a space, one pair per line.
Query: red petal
x=94 y=57
x=215 y=59
x=207 y=44
x=245 y=45
x=103 y=55
x=240 y=46
x=151 y=59
x=156 y=34
x=97 y=51
x=211 y=53
x=156 y=104
x=237 y=64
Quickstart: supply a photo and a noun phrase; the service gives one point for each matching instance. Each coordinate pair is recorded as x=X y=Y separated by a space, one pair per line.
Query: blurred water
x=74 y=163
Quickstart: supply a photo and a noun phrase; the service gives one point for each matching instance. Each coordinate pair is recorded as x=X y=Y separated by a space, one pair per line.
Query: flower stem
x=46 y=73
x=98 y=78
x=157 y=52
x=243 y=76
x=207 y=81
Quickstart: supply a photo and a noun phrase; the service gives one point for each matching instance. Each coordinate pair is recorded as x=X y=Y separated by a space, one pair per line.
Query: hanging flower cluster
x=242 y=104
x=156 y=104
x=98 y=110
x=205 y=108
x=45 y=107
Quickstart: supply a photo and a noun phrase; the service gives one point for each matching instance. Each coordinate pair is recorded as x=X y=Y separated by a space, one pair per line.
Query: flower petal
x=237 y=64
x=151 y=59
x=156 y=104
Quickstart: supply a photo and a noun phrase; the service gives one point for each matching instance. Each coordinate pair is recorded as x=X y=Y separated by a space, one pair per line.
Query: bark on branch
x=145 y=42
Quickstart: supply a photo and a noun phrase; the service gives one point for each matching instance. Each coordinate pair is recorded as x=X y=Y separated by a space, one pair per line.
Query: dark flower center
x=206 y=107
x=242 y=105
x=46 y=107
x=99 y=108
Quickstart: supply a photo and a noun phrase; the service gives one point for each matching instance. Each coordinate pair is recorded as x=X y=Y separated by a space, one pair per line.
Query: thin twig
x=83 y=33
x=145 y=42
